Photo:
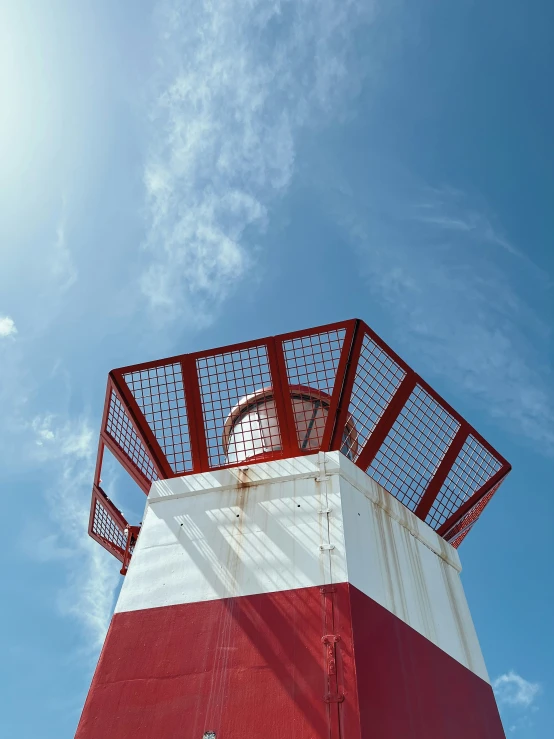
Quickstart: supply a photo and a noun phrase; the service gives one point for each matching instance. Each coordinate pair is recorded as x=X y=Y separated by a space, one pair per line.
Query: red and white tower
x=296 y=573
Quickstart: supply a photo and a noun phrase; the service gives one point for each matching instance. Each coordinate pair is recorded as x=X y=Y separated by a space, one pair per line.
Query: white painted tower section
x=296 y=523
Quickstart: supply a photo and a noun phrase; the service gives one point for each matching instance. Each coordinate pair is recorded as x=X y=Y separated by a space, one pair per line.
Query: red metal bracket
x=330 y=640
x=342 y=389
x=132 y=536
x=193 y=400
x=333 y=695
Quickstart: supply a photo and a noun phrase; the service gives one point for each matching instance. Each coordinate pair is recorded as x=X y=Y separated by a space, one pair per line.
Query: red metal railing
x=107 y=525
x=168 y=418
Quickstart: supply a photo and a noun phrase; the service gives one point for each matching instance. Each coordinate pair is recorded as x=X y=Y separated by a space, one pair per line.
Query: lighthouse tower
x=296 y=573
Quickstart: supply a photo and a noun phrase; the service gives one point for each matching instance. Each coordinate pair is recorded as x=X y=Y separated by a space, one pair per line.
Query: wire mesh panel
x=227 y=382
x=459 y=531
x=313 y=360
x=414 y=448
x=377 y=379
x=312 y=363
x=160 y=396
x=107 y=525
x=474 y=466
x=121 y=430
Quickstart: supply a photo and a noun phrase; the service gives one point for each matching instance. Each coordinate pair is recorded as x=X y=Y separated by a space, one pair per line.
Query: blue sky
x=176 y=176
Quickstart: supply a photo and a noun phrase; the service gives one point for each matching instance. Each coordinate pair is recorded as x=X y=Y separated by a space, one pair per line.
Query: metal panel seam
x=232 y=486
x=323 y=479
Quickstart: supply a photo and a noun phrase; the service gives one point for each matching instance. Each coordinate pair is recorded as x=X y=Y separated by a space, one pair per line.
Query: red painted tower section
x=296 y=573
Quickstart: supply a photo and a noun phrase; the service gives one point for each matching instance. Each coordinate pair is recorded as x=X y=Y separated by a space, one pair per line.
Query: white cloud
x=238 y=81
x=445 y=273
x=513 y=690
x=451 y=209
x=42 y=427
x=63 y=268
x=72 y=439
x=92 y=574
x=47 y=547
x=7 y=327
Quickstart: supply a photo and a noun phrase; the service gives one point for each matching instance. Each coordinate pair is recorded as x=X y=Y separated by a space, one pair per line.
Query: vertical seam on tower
x=333 y=700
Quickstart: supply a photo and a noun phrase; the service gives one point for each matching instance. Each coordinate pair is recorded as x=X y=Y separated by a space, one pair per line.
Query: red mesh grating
x=120 y=428
x=312 y=362
x=377 y=379
x=108 y=526
x=459 y=539
x=474 y=466
x=335 y=387
x=226 y=380
x=413 y=449
x=459 y=531
x=160 y=396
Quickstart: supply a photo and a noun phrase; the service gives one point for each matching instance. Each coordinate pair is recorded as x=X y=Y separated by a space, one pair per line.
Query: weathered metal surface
x=311 y=521
x=296 y=599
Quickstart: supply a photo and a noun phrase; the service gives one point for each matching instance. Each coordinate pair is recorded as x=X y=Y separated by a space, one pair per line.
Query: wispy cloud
x=445 y=272
x=517 y=700
x=91 y=577
x=238 y=81
x=71 y=439
x=63 y=267
x=452 y=210
x=513 y=690
x=42 y=426
x=7 y=327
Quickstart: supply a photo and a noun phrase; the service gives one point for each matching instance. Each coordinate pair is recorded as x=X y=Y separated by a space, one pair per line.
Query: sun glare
x=26 y=95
